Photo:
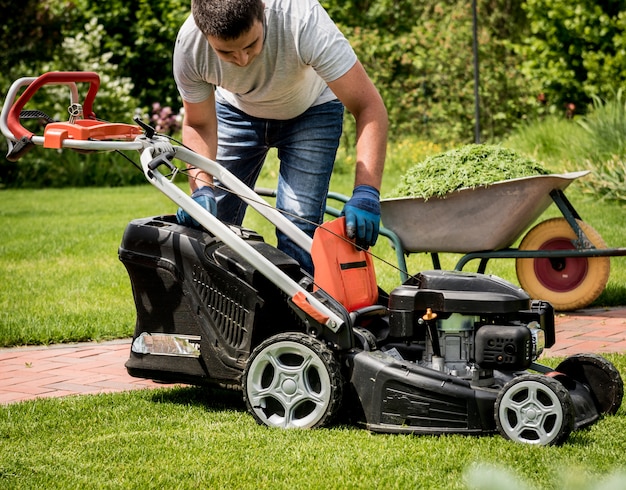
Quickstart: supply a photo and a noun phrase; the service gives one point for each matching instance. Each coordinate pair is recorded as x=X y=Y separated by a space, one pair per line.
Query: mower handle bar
x=70 y=78
x=18 y=136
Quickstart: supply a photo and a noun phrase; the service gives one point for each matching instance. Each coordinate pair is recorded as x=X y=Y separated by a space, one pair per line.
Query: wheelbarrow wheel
x=569 y=283
x=293 y=380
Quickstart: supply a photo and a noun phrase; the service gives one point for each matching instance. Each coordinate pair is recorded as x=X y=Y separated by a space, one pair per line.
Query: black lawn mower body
x=442 y=353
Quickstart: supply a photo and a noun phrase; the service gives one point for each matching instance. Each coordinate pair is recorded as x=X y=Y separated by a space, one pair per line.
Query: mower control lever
x=163 y=159
x=149 y=131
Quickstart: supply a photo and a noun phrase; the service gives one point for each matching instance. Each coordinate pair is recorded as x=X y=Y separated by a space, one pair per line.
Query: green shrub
x=140 y=36
x=605 y=123
x=420 y=58
x=555 y=141
x=608 y=179
x=575 y=50
x=605 y=152
x=419 y=55
x=67 y=168
x=31 y=31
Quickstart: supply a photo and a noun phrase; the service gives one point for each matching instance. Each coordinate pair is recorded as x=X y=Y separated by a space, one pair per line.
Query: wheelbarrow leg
x=482 y=266
x=459 y=266
x=571 y=215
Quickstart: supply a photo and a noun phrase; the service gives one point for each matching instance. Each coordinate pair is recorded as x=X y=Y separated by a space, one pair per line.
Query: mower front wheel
x=534 y=409
x=292 y=380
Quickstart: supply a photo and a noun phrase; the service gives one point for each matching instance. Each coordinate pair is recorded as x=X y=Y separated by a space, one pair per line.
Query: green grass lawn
x=203 y=438
x=60 y=274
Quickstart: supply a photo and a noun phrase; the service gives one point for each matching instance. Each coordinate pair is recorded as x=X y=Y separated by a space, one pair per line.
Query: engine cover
x=448 y=292
x=504 y=347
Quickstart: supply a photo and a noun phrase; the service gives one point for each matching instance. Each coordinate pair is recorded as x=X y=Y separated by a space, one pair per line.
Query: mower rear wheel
x=568 y=283
x=600 y=376
x=534 y=409
x=292 y=380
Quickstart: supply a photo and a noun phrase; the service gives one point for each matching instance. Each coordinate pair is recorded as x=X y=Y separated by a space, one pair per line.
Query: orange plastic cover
x=342 y=270
x=85 y=129
x=300 y=300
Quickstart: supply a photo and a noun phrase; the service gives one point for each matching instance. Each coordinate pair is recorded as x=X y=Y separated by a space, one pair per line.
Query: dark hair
x=226 y=19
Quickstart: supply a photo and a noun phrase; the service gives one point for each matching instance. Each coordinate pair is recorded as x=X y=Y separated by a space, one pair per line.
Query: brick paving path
x=89 y=368
x=591 y=330
x=66 y=369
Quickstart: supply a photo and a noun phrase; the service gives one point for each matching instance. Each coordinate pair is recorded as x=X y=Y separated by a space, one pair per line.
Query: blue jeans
x=307 y=147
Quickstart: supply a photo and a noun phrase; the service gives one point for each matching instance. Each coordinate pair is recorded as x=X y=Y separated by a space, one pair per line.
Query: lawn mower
x=443 y=352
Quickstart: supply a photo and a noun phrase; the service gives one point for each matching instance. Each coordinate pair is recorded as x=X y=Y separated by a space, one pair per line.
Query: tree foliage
x=535 y=56
x=30 y=31
x=140 y=34
x=575 y=49
x=420 y=57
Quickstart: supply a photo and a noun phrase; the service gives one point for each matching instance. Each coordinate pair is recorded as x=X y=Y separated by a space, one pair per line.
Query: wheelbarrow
x=562 y=260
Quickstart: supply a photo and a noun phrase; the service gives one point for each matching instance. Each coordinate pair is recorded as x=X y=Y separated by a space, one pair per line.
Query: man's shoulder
x=290 y=7
x=189 y=29
x=190 y=39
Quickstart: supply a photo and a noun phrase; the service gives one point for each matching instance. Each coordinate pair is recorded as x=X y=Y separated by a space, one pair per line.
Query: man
x=256 y=75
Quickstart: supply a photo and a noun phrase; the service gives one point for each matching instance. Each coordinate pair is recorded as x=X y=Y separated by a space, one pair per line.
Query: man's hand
x=362 y=214
x=205 y=197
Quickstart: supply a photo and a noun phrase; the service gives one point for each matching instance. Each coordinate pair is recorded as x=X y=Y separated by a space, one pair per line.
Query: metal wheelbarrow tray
x=562 y=260
x=470 y=219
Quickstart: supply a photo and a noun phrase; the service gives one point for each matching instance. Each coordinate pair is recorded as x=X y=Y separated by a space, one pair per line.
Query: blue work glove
x=205 y=197
x=362 y=214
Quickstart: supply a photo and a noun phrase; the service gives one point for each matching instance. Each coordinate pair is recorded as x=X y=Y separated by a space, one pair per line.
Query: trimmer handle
x=52 y=78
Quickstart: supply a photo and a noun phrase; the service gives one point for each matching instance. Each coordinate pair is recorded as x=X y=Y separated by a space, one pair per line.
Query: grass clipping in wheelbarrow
x=469 y=166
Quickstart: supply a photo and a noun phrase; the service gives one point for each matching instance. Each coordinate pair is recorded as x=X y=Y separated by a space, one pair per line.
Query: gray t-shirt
x=302 y=51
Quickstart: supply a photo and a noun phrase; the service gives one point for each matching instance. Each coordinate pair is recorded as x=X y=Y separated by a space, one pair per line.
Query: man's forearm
x=371 y=148
x=204 y=144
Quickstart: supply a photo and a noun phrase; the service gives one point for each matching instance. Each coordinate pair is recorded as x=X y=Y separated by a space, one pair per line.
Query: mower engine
x=452 y=350
x=437 y=321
